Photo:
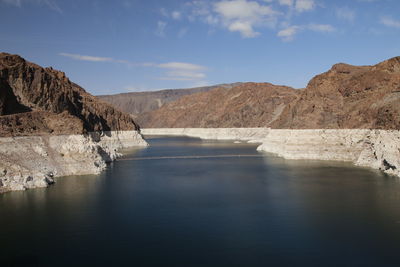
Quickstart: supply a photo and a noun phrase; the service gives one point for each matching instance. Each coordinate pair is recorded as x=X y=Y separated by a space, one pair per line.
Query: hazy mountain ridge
x=140 y=102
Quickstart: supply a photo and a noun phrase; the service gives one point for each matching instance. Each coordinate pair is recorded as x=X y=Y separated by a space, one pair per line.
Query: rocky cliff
x=245 y=105
x=348 y=97
x=43 y=100
x=136 y=103
x=49 y=127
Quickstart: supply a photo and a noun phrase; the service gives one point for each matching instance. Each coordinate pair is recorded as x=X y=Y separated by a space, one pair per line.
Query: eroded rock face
x=348 y=97
x=377 y=149
x=33 y=161
x=51 y=127
x=26 y=87
x=246 y=105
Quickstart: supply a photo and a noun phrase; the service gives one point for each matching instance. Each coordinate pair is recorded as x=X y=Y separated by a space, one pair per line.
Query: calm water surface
x=184 y=202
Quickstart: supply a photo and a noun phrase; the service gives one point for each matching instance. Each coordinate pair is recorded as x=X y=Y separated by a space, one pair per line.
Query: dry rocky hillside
x=246 y=105
x=37 y=101
x=345 y=97
x=139 y=102
x=51 y=127
x=348 y=97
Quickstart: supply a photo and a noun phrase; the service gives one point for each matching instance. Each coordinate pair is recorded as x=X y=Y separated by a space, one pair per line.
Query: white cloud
x=304 y=5
x=345 y=13
x=242 y=16
x=212 y=20
x=244 y=27
x=168 y=65
x=87 y=58
x=160 y=31
x=246 y=17
x=181 y=71
x=390 y=22
x=288 y=34
x=242 y=9
x=176 y=15
x=177 y=71
x=321 y=28
x=181 y=66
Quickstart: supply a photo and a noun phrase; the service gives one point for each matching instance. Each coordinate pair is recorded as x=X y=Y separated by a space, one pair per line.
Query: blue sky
x=138 y=45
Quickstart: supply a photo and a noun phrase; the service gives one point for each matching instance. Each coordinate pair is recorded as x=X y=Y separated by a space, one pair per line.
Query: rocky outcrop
x=49 y=127
x=136 y=103
x=27 y=87
x=33 y=161
x=348 y=97
x=40 y=123
x=378 y=149
x=246 y=105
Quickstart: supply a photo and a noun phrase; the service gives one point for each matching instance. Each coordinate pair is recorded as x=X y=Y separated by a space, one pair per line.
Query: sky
x=121 y=46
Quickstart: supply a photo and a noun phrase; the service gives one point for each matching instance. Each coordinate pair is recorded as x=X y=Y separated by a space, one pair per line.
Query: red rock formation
x=348 y=97
x=246 y=105
x=42 y=100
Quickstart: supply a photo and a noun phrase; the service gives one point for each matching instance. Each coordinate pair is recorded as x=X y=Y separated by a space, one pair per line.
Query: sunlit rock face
x=33 y=161
x=36 y=100
x=348 y=97
x=50 y=126
x=378 y=149
x=245 y=105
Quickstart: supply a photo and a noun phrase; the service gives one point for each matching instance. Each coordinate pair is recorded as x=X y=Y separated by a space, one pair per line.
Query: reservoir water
x=187 y=202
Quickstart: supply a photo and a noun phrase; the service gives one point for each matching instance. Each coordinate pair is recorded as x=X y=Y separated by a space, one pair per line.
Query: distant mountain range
x=244 y=105
x=344 y=97
x=136 y=103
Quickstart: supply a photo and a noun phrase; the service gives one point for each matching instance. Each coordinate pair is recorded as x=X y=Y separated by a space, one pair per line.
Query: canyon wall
x=33 y=161
x=378 y=149
x=50 y=126
x=246 y=105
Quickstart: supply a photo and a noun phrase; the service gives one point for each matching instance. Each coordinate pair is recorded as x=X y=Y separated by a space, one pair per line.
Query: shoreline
x=28 y=162
x=377 y=149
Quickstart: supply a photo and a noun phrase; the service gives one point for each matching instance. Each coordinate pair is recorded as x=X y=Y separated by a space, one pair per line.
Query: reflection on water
x=173 y=209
